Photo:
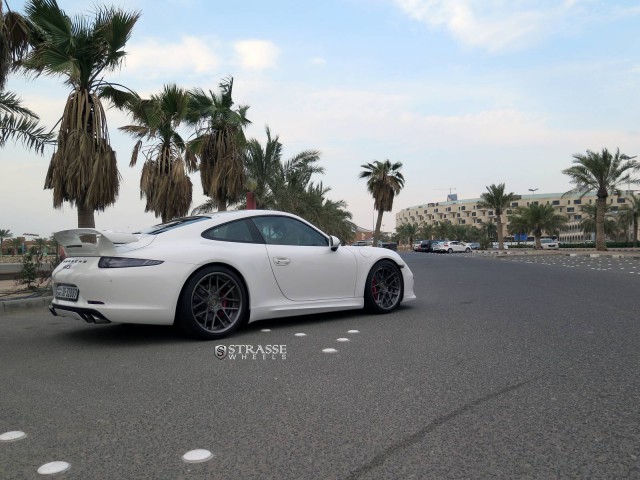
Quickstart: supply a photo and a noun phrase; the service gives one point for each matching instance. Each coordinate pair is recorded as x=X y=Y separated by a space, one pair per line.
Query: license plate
x=67 y=292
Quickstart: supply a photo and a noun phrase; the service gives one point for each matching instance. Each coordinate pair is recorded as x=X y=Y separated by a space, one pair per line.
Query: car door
x=304 y=265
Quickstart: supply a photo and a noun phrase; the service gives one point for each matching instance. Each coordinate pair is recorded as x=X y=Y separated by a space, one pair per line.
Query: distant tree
x=384 y=182
x=588 y=224
x=16 y=244
x=603 y=173
x=496 y=199
x=426 y=231
x=4 y=234
x=408 y=232
x=537 y=219
x=630 y=214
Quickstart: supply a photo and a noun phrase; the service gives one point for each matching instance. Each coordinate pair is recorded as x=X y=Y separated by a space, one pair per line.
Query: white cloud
x=318 y=61
x=494 y=25
x=154 y=58
x=256 y=54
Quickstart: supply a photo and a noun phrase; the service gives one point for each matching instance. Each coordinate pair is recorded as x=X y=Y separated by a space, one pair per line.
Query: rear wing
x=104 y=246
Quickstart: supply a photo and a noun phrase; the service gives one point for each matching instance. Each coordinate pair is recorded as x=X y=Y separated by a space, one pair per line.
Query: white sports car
x=210 y=273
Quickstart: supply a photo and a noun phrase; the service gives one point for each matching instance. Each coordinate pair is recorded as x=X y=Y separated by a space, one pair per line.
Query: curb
x=12 y=306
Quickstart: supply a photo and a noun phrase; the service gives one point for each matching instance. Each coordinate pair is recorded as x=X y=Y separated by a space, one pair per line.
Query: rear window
x=175 y=223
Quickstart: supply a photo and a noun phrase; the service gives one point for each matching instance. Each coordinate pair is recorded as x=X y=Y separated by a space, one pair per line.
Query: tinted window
x=175 y=223
x=238 y=231
x=288 y=231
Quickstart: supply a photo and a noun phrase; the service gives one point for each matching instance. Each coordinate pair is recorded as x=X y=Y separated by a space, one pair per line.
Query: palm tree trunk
x=499 y=232
x=222 y=203
x=376 y=233
x=86 y=217
x=635 y=230
x=601 y=204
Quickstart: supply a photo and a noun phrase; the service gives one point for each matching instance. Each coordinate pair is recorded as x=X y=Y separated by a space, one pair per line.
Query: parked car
x=452 y=246
x=426 y=245
x=474 y=245
x=389 y=245
x=208 y=274
x=416 y=246
x=549 y=244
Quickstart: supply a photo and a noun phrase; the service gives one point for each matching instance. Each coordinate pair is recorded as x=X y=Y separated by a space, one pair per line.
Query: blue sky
x=464 y=93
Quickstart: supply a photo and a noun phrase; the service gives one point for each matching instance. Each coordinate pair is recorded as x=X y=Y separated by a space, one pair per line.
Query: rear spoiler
x=104 y=246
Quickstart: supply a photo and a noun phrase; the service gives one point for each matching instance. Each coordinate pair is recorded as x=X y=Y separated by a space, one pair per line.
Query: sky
x=465 y=93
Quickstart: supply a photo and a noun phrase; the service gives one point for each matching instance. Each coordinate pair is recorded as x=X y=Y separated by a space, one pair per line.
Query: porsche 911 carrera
x=209 y=274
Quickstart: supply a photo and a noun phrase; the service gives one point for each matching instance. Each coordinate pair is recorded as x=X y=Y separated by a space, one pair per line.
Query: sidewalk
x=569 y=252
x=14 y=296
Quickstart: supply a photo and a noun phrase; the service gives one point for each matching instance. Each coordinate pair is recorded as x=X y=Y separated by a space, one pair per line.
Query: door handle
x=281 y=261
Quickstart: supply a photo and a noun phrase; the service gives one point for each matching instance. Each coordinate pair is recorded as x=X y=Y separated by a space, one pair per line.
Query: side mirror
x=335 y=243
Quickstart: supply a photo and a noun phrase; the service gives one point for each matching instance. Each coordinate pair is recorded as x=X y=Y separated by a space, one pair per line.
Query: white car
x=549 y=244
x=210 y=273
x=451 y=247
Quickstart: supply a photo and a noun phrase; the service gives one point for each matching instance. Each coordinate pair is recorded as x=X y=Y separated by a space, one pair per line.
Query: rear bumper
x=89 y=315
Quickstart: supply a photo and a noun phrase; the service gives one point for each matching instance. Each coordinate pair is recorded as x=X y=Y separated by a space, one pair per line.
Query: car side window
x=288 y=231
x=242 y=231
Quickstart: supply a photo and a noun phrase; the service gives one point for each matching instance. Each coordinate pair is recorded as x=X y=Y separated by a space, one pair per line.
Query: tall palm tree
x=83 y=169
x=219 y=143
x=537 y=219
x=630 y=214
x=603 y=173
x=164 y=181
x=426 y=231
x=17 y=122
x=4 y=234
x=497 y=200
x=408 y=232
x=384 y=182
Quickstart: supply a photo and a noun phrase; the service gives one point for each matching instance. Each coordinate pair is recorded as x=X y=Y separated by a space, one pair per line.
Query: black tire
x=213 y=303
x=450 y=250
x=468 y=250
x=384 y=288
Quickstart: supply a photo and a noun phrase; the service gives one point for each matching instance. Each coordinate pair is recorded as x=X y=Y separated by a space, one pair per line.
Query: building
x=467 y=211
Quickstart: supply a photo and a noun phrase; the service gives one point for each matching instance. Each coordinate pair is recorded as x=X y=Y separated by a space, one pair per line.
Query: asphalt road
x=501 y=369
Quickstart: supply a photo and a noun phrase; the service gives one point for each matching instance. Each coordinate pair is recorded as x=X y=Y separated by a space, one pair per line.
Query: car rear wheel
x=450 y=250
x=213 y=303
x=468 y=250
x=384 y=288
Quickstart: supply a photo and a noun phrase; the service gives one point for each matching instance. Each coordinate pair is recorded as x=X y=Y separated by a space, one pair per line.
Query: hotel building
x=467 y=211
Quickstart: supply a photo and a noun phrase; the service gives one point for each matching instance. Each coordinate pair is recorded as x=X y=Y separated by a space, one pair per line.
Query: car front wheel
x=213 y=303
x=450 y=250
x=384 y=287
x=468 y=250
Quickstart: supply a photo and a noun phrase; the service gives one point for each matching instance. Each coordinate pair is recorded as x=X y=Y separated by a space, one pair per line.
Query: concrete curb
x=11 y=306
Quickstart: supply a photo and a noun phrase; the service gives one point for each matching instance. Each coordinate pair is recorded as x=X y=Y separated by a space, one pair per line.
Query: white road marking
x=53 y=467
x=265 y=330
x=299 y=334
x=12 y=436
x=330 y=350
x=353 y=331
x=197 y=456
x=342 y=339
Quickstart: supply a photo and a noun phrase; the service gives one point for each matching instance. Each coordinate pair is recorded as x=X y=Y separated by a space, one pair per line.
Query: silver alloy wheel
x=216 y=302
x=386 y=286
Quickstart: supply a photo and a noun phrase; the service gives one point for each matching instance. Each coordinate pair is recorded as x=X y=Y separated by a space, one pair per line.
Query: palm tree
x=408 y=231
x=83 y=169
x=16 y=244
x=605 y=173
x=497 y=200
x=164 y=181
x=588 y=224
x=384 y=182
x=630 y=214
x=4 y=234
x=426 y=231
x=537 y=219
x=219 y=143
x=263 y=168
x=16 y=122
